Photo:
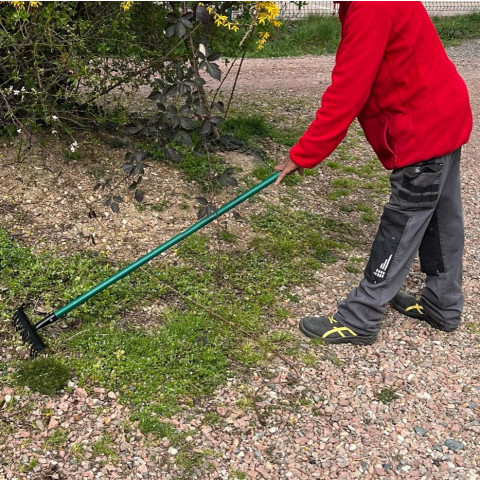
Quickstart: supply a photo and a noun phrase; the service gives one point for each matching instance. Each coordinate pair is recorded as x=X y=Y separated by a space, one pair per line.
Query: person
x=393 y=74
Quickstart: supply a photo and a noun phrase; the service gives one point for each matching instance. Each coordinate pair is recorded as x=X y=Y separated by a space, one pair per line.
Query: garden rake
x=29 y=330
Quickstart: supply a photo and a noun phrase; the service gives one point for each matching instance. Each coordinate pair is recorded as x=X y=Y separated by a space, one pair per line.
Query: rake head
x=29 y=332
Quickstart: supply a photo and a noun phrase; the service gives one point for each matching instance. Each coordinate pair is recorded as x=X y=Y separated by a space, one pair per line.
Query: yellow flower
x=18 y=5
x=125 y=6
x=263 y=40
x=35 y=4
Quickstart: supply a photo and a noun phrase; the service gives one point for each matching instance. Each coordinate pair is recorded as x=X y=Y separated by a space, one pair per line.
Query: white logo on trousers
x=382 y=269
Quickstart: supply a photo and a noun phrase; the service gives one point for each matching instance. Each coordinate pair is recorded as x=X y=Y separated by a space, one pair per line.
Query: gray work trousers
x=424 y=215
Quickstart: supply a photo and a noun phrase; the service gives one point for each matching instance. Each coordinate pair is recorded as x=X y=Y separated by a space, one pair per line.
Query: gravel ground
x=326 y=420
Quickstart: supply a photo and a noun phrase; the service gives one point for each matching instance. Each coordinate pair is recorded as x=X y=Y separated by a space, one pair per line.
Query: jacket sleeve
x=365 y=35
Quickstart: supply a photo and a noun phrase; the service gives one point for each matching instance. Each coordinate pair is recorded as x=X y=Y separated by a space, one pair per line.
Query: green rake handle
x=157 y=251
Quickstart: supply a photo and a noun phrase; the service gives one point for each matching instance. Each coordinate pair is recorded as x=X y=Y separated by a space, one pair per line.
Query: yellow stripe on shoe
x=417 y=307
x=338 y=330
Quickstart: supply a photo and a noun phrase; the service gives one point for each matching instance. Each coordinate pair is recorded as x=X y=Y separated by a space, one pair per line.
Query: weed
x=56 y=439
x=309 y=359
x=211 y=418
x=159 y=207
x=151 y=424
x=335 y=360
x=103 y=448
x=190 y=460
x=386 y=395
x=239 y=475
x=473 y=327
x=28 y=467
x=78 y=451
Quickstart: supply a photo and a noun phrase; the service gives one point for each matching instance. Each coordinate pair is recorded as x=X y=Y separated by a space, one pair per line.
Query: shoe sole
x=363 y=340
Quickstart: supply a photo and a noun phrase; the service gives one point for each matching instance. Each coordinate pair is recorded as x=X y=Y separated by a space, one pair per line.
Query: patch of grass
x=181 y=359
x=45 y=375
x=244 y=127
x=196 y=167
x=239 y=475
x=338 y=193
x=313 y=35
x=296 y=233
x=158 y=372
x=152 y=424
x=452 y=30
x=228 y=236
x=249 y=127
x=354 y=265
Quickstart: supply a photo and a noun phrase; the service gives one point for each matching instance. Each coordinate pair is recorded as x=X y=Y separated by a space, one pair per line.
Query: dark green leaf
x=117 y=199
x=134 y=156
x=172 y=18
x=213 y=70
x=206 y=128
x=128 y=168
x=171 y=154
x=214 y=56
x=216 y=119
x=180 y=29
x=219 y=106
x=186 y=123
x=202 y=200
x=185 y=138
x=202 y=15
x=115 y=208
x=139 y=195
x=186 y=23
x=134 y=128
x=227 y=181
x=170 y=30
x=155 y=95
x=205 y=211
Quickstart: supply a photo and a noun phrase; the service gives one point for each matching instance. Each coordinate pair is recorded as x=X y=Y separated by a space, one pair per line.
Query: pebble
x=420 y=431
x=453 y=444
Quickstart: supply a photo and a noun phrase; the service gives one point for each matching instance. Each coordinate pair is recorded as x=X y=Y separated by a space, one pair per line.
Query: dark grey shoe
x=412 y=307
x=332 y=331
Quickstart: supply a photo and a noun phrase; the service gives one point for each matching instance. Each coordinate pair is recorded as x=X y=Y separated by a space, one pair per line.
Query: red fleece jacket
x=391 y=72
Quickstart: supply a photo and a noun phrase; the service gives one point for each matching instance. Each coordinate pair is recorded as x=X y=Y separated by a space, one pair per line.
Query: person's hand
x=288 y=167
